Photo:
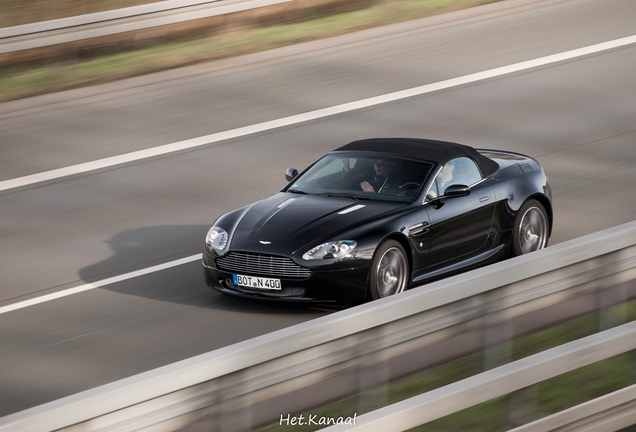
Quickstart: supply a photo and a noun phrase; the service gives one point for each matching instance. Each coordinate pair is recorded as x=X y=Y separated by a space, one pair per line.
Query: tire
x=531 y=229
x=389 y=272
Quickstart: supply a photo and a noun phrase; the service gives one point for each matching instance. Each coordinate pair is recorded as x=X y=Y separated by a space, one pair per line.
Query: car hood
x=284 y=223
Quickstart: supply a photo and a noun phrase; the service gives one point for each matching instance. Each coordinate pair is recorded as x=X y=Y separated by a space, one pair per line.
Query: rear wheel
x=531 y=229
x=389 y=270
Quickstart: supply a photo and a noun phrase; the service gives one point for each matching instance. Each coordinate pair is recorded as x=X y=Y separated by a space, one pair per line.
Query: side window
x=457 y=171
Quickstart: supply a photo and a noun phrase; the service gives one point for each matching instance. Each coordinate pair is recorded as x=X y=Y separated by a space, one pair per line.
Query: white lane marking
x=310 y=116
x=101 y=283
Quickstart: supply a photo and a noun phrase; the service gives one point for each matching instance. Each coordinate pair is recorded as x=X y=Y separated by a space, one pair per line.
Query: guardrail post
x=611 y=292
x=234 y=413
x=497 y=339
x=522 y=406
x=610 y=315
x=498 y=334
x=373 y=373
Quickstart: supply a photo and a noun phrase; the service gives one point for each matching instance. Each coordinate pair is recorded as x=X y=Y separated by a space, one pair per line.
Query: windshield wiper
x=342 y=194
x=297 y=191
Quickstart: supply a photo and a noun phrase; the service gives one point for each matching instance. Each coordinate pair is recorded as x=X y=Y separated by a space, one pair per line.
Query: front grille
x=262 y=265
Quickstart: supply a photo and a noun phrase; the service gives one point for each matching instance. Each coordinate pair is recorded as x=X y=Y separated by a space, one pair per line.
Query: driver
x=381 y=178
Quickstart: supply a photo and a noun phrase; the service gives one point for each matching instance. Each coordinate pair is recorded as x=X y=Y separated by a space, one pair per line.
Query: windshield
x=362 y=175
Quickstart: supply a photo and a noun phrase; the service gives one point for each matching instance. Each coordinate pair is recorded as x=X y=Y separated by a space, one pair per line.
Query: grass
x=545 y=398
x=27 y=81
x=548 y=397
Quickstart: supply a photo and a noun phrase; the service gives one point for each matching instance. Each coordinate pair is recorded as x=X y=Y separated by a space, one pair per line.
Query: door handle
x=419 y=228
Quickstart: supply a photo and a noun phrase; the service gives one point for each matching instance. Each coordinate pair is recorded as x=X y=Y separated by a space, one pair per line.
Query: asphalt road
x=577 y=118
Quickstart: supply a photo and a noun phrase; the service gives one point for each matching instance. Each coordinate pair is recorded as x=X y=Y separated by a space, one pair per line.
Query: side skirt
x=457 y=267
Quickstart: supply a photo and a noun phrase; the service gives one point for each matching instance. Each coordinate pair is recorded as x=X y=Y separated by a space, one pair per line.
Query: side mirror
x=290 y=174
x=456 y=190
x=431 y=196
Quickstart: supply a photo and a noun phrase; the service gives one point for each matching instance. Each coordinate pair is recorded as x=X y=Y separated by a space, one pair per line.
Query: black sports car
x=379 y=216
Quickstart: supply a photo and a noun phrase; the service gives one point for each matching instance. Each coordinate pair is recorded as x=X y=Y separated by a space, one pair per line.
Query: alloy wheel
x=391 y=272
x=533 y=231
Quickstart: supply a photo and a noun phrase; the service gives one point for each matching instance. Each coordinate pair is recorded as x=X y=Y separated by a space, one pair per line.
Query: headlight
x=216 y=239
x=331 y=250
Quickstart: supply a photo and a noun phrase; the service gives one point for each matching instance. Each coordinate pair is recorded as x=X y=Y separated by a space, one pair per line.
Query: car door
x=417 y=229
x=459 y=226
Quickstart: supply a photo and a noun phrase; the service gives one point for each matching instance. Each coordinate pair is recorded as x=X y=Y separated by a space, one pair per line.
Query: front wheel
x=389 y=270
x=531 y=229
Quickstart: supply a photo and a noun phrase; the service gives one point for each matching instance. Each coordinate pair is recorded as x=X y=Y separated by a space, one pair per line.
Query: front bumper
x=342 y=286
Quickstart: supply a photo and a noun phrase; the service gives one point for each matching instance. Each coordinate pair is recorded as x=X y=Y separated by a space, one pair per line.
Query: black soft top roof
x=430 y=150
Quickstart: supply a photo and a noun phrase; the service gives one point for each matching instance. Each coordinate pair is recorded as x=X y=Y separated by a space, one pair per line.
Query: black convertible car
x=378 y=216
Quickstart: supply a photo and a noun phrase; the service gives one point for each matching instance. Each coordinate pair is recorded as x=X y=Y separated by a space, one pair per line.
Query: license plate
x=257 y=282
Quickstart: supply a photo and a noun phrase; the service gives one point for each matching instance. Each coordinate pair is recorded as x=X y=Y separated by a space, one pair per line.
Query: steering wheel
x=415 y=184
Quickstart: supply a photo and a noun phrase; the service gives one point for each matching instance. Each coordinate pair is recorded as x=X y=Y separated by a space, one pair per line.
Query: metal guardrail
x=97 y=17
x=611 y=412
x=73 y=29
x=361 y=340
x=505 y=379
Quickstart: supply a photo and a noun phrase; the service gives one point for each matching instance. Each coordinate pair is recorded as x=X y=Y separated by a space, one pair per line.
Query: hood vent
x=286 y=203
x=352 y=209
